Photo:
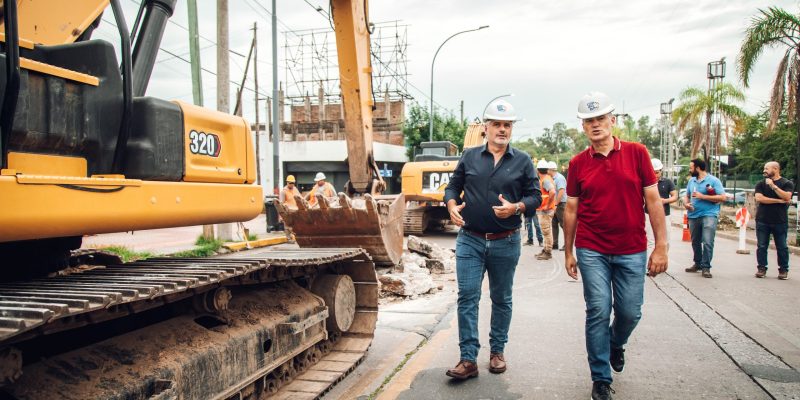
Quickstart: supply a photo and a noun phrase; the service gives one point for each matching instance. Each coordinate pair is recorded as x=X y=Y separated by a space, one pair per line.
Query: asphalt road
x=730 y=337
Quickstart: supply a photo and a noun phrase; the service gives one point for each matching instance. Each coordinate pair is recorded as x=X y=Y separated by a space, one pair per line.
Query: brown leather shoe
x=497 y=363
x=762 y=271
x=463 y=370
x=544 y=255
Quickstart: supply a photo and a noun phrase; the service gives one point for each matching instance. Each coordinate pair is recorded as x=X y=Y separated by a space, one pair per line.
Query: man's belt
x=492 y=236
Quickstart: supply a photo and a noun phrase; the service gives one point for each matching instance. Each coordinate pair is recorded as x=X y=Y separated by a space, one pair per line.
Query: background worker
x=499 y=184
x=547 y=210
x=704 y=193
x=608 y=184
x=561 y=196
x=668 y=194
x=773 y=195
x=322 y=187
x=286 y=197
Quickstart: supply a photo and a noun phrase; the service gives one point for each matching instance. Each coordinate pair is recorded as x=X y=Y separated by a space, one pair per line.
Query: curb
x=236 y=246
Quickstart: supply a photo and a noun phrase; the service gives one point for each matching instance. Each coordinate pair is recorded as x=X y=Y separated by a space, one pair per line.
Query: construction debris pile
x=413 y=275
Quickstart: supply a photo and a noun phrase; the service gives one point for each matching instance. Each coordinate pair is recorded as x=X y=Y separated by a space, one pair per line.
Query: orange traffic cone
x=687 y=237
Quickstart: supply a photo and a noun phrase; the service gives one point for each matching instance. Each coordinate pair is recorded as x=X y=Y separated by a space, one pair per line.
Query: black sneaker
x=601 y=391
x=693 y=268
x=706 y=272
x=529 y=243
x=617 y=359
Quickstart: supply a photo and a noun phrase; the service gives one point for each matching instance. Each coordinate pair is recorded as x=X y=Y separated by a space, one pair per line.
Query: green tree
x=775 y=27
x=757 y=145
x=416 y=131
x=693 y=115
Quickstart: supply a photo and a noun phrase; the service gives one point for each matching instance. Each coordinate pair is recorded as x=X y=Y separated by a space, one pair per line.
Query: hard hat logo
x=500 y=110
x=592 y=106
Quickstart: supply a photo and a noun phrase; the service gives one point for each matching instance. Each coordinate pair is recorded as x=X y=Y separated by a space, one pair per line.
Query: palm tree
x=776 y=27
x=694 y=114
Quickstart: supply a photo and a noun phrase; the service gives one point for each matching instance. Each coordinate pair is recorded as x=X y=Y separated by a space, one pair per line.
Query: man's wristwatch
x=518 y=211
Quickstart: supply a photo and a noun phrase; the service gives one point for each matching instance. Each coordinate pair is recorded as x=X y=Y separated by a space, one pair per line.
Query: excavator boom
x=373 y=222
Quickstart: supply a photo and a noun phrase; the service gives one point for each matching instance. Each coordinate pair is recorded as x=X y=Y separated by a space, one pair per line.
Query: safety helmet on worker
x=290 y=179
x=320 y=177
x=552 y=165
x=657 y=165
x=500 y=110
x=594 y=104
x=543 y=164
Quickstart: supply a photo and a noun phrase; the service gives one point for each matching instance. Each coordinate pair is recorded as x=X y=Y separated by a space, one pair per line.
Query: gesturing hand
x=455 y=214
x=505 y=209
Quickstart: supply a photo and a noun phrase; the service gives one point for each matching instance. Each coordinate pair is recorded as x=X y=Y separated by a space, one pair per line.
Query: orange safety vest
x=327 y=191
x=546 y=205
x=288 y=197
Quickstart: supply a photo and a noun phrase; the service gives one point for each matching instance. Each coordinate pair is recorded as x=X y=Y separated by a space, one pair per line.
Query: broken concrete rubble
x=412 y=276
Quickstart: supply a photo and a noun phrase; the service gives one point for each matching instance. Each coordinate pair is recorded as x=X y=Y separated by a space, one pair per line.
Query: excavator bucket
x=372 y=223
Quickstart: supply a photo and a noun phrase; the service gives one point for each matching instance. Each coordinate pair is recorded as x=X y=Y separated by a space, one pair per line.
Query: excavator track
x=286 y=324
x=415 y=220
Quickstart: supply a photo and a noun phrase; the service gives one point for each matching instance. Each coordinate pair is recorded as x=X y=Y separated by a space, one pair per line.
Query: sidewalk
x=164 y=241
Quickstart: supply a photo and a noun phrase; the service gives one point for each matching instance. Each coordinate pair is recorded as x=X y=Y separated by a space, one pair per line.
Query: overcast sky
x=641 y=53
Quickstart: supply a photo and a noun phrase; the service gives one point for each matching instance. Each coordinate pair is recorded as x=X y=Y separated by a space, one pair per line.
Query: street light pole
x=430 y=132
x=666 y=113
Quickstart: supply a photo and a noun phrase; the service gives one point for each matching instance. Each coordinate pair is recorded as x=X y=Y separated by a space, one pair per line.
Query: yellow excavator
x=424 y=181
x=84 y=150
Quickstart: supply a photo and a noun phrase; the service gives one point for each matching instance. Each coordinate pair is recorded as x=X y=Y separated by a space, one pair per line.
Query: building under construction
x=313 y=135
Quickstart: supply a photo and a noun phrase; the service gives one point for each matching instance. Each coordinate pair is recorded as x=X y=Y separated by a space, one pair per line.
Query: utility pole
x=276 y=127
x=666 y=115
x=255 y=82
x=197 y=79
x=224 y=231
x=462 y=112
x=716 y=74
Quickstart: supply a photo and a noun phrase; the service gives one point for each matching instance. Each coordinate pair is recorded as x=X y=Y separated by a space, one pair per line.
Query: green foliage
x=205 y=248
x=416 y=129
x=693 y=115
x=755 y=146
x=126 y=254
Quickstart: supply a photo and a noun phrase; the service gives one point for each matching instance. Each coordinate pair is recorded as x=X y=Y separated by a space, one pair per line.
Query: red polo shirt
x=610 y=191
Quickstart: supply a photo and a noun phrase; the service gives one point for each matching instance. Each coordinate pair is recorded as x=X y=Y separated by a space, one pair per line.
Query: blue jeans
x=703 y=231
x=498 y=258
x=610 y=281
x=530 y=231
x=778 y=232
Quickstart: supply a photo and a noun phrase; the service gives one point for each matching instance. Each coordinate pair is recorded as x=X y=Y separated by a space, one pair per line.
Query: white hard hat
x=500 y=110
x=594 y=104
x=320 y=176
x=542 y=164
x=552 y=165
x=657 y=165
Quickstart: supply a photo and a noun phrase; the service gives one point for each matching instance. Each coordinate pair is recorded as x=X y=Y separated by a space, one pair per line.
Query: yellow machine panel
x=218 y=147
x=45 y=164
x=426 y=180
x=36 y=206
x=64 y=21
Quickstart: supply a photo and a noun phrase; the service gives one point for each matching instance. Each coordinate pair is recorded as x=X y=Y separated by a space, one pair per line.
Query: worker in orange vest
x=547 y=209
x=287 y=200
x=322 y=187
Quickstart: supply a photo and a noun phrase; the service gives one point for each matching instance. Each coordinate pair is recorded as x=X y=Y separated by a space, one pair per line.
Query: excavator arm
x=373 y=222
x=350 y=18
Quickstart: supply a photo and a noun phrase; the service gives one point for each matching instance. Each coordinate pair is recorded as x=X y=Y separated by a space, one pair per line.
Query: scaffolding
x=311 y=63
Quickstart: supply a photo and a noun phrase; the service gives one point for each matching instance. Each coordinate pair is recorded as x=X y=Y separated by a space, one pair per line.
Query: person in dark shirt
x=666 y=189
x=773 y=196
x=499 y=184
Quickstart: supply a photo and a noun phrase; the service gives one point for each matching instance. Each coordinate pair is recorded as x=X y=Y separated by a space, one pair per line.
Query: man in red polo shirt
x=607 y=186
